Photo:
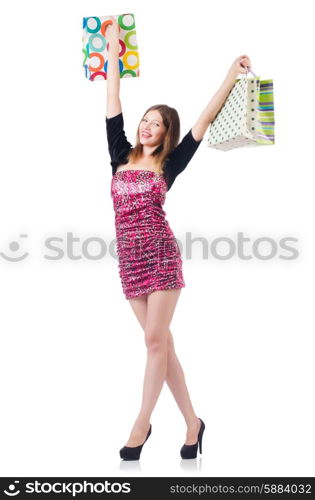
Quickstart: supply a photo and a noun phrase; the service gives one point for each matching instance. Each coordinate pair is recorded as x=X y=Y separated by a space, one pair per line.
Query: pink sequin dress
x=148 y=253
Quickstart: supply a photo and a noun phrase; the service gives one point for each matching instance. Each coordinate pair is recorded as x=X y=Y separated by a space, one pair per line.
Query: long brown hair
x=171 y=121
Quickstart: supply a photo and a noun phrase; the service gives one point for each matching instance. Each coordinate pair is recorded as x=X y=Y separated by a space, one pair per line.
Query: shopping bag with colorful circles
x=95 y=46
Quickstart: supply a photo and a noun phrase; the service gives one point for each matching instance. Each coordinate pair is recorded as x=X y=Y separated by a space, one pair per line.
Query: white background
x=73 y=353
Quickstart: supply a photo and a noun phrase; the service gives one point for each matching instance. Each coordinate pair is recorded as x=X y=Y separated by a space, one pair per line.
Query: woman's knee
x=155 y=339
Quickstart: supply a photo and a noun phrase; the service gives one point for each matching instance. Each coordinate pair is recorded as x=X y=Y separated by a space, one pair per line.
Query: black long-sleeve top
x=119 y=147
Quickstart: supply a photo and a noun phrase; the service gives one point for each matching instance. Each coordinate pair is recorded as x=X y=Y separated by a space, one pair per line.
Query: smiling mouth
x=144 y=134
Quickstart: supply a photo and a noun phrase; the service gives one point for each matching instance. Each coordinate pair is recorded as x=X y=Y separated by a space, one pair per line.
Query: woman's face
x=152 y=129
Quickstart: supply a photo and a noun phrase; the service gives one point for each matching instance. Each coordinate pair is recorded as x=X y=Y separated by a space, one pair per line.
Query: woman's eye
x=155 y=123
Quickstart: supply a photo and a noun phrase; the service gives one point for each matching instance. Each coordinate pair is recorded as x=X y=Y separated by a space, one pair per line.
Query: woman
x=150 y=264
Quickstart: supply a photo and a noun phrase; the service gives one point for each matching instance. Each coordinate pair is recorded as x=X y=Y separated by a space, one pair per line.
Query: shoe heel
x=200 y=436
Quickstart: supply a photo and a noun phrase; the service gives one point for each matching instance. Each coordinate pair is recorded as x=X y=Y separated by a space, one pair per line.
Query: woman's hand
x=240 y=65
x=112 y=30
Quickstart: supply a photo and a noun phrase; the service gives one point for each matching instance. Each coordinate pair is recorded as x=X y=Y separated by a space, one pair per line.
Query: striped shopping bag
x=247 y=116
x=265 y=131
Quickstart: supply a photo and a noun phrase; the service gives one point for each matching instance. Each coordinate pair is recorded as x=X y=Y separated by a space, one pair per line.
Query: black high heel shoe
x=133 y=452
x=190 y=450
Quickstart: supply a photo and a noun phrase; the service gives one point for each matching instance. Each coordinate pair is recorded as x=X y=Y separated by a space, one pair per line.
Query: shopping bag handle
x=244 y=78
x=249 y=70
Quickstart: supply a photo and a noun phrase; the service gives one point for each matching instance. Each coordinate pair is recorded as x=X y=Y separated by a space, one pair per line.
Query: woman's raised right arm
x=113 y=106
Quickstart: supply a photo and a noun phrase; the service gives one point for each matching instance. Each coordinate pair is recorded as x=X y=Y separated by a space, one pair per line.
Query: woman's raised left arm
x=219 y=98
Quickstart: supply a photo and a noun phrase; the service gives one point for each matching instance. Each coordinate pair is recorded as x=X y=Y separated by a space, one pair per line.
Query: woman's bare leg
x=176 y=381
x=160 y=309
x=174 y=376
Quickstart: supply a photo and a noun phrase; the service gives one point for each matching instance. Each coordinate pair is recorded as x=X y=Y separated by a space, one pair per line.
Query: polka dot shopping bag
x=95 y=47
x=247 y=116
